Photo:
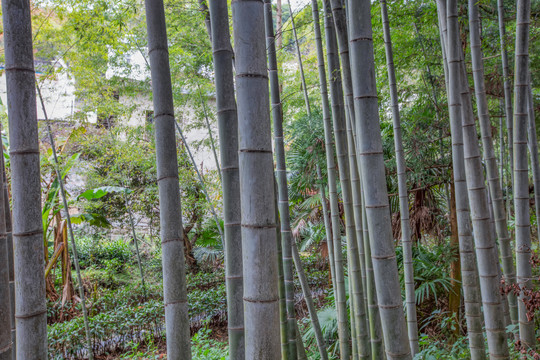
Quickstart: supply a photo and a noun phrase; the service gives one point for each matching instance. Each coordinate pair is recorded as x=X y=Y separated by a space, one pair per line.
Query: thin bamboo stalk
x=410 y=300
x=136 y=241
x=521 y=168
x=6 y=345
x=533 y=150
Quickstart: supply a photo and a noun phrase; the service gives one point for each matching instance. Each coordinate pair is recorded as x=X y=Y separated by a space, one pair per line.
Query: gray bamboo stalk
x=172 y=243
x=412 y=324
x=343 y=327
x=486 y=251
x=207 y=121
x=344 y=163
x=301 y=66
x=70 y=230
x=261 y=303
x=309 y=302
x=9 y=238
x=533 y=150
x=281 y=285
x=374 y=181
x=327 y=228
x=228 y=134
x=201 y=181
x=495 y=189
x=469 y=271
x=521 y=178
x=509 y=113
x=6 y=345
x=375 y=327
x=340 y=24
x=136 y=241
x=501 y=146
x=203 y=8
x=30 y=304
x=281 y=173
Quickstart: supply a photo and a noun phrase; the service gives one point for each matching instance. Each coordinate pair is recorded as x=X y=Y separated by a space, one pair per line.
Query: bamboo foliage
x=30 y=305
x=259 y=251
x=412 y=325
x=174 y=277
x=521 y=167
x=372 y=171
x=228 y=135
x=496 y=193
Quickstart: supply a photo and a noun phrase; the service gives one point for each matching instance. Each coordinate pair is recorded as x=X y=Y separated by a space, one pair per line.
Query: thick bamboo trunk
x=412 y=324
x=469 y=270
x=521 y=167
x=228 y=135
x=281 y=174
x=174 y=277
x=486 y=250
x=333 y=66
x=374 y=181
x=30 y=305
x=259 y=250
x=496 y=193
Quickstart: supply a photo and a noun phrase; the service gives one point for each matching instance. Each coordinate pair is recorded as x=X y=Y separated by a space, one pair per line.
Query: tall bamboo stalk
x=259 y=251
x=333 y=66
x=281 y=286
x=301 y=66
x=227 y=118
x=509 y=113
x=6 y=345
x=469 y=271
x=499 y=211
x=9 y=238
x=521 y=167
x=281 y=173
x=30 y=303
x=412 y=324
x=136 y=241
x=486 y=251
x=533 y=150
x=374 y=181
x=70 y=229
x=174 y=277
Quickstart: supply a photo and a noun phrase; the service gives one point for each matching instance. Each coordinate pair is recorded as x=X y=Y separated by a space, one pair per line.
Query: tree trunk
x=489 y=156
x=374 y=181
x=281 y=173
x=333 y=66
x=462 y=119
x=412 y=324
x=521 y=178
x=174 y=277
x=259 y=250
x=454 y=298
x=228 y=134
x=31 y=321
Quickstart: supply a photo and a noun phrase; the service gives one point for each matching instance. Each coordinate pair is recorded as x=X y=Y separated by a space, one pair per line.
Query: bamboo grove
x=488 y=195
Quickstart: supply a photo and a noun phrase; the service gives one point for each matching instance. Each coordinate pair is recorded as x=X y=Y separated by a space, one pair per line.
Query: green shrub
x=105 y=254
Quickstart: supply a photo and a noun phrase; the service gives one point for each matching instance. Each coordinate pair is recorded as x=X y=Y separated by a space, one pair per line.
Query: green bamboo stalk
x=533 y=151
x=6 y=345
x=281 y=286
x=212 y=142
x=521 y=167
x=340 y=298
x=136 y=241
x=410 y=300
x=70 y=229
